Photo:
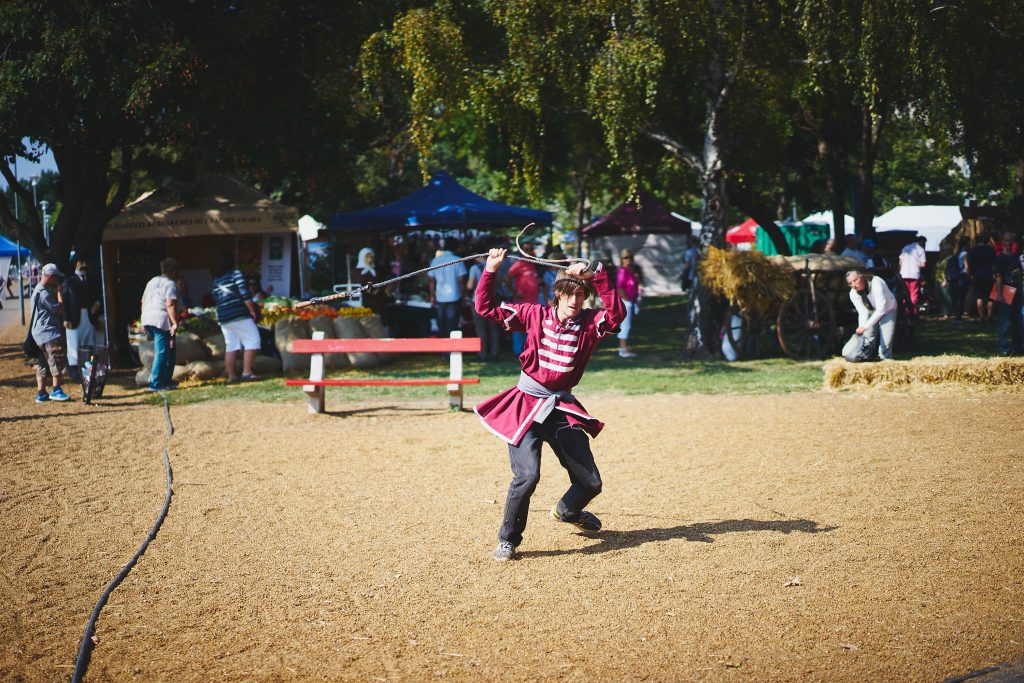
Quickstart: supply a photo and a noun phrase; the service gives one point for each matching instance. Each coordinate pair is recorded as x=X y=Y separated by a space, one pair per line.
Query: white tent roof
x=933 y=222
x=826 y=218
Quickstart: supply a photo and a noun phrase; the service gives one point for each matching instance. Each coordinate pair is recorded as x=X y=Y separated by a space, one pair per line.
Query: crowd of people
x=66 y=317
x=451 y=290
x=979 y=278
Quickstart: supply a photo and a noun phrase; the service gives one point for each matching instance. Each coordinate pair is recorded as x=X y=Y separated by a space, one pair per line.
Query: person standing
x=876 y=317
x=83 y=303
x=446 y=287
x=236 y=314
x=912 y=262
x=957 y=279
x=366 y=274
x=521 y=278
x=561 y=337
x=690 y=255
x=48 y=333
x=160 y=319
x=853 y=249
x=981 y=266
x=488 y=330
x=1010 y=324
x=630 y=286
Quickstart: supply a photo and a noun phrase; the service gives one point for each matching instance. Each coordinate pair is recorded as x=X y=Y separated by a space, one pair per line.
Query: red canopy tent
x=649 y=217
x=744 y=232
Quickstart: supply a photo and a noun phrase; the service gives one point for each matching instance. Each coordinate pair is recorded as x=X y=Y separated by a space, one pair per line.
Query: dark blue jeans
x=447 y=318
x=1010 y=327
x=572 y=447
x=163 y=358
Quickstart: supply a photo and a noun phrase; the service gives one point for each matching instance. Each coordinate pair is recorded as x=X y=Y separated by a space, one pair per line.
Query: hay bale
x=214 y=346
x=146 y=353
x=286 y=331
x=927 y=372
x=375 y=329
x=349 y=328
x=265 y=365
x=205 y=370
x=324 y=324
x=748 y=280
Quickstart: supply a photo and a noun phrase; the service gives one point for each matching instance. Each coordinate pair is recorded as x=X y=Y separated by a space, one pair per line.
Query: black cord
x=85 y=649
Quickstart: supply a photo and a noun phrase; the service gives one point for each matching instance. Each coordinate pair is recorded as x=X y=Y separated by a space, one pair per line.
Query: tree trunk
x=704 y=315
x=835 y=181
x=581 y=185
x=871 y=129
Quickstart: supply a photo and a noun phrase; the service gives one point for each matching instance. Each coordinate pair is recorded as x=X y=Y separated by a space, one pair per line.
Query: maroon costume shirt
x=555 y=355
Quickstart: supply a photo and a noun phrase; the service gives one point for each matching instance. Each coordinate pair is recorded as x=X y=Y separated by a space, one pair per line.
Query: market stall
x=654 y=234
x=197 y=224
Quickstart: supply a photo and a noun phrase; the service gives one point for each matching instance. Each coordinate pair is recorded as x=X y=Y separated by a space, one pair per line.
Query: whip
x=551 y=263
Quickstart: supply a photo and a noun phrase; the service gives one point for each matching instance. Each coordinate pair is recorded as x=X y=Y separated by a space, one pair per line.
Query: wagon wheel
x=737 y=330
x=806 y=325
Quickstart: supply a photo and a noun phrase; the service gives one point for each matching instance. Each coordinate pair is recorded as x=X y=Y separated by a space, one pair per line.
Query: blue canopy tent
x=9 y=249
x=441 y=203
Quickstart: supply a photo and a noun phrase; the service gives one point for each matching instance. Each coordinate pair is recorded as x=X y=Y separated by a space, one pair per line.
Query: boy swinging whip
x=560 y=339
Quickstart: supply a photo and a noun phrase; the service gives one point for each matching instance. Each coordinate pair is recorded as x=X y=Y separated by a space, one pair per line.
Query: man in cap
x=48 y=333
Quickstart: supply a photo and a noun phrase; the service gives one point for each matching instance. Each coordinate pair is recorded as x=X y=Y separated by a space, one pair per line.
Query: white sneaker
x=627 y=354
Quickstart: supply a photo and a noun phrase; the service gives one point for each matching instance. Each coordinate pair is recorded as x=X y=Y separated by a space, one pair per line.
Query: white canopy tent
x=933 y=222
x=825 y=218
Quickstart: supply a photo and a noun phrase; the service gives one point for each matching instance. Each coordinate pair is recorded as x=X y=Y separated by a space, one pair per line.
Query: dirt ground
x=809 y=537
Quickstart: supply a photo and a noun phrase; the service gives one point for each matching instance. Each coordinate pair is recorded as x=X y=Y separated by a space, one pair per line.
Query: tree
x=629 y=66
x=140 y=91
x=977 y=64
x=90 y=81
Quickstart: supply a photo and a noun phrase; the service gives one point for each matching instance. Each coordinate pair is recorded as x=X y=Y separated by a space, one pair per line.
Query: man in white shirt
x=160 y=318
x=876 y=317
x=446 y=287
x=912 y=261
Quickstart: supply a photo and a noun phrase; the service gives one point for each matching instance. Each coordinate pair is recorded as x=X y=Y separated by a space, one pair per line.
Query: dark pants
x=447 y=318
x=1010 y=327
x=573 y=450
x=957 y=293
x=163 y=358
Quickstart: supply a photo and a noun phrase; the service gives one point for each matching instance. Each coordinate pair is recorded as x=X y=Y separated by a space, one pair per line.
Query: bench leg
x=455 y=399
x=315 y=399
x=455 y=372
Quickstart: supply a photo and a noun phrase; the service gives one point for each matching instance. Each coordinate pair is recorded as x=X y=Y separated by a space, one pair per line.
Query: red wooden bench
x=317 y=346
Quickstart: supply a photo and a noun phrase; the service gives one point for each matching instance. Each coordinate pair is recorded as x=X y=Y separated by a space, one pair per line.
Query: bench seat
x=315 y=386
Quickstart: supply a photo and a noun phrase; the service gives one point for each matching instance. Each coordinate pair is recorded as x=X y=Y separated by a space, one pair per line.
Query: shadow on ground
x=702 y=532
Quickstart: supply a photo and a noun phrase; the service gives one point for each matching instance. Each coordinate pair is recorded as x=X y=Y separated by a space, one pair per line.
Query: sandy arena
x=810 y=537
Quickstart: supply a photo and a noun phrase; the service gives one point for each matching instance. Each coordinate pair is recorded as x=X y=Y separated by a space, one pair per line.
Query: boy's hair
x=169 y=266
x=567 y=285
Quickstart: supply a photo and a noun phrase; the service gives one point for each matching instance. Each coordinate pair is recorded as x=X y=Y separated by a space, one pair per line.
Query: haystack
x=929 y=372
x=748 y=280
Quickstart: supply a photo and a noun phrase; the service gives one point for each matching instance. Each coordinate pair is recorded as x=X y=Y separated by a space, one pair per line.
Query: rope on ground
x=551 y=263
x=85 y=649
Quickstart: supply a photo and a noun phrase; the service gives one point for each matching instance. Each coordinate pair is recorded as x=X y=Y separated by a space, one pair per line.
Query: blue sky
x=27 y=169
